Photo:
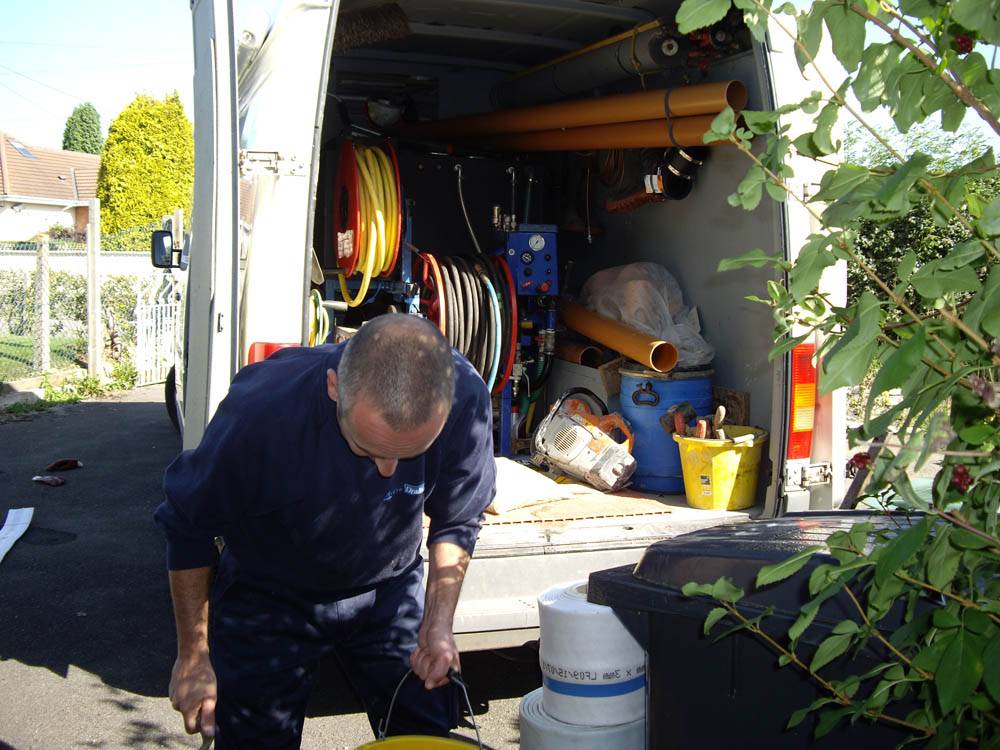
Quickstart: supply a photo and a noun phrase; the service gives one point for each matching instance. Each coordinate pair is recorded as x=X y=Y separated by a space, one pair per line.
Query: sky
x=56 y=54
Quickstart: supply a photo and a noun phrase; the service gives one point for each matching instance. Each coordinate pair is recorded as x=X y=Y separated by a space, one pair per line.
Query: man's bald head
x=399 y=365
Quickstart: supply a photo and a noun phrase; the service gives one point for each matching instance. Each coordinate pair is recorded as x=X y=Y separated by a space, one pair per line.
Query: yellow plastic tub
x=720 y=474
x=414 y=742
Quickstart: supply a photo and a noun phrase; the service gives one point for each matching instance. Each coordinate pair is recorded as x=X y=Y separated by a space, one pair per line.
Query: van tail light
x=261 y=350
x=803 y=412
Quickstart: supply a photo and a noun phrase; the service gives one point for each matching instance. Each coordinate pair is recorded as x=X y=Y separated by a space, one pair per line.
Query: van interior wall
x=688 y=237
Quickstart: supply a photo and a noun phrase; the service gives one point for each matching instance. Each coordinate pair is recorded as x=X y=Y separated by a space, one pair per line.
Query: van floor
x=574 y=502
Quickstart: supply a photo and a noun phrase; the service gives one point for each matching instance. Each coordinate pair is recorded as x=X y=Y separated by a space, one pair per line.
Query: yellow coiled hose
x=379 y=208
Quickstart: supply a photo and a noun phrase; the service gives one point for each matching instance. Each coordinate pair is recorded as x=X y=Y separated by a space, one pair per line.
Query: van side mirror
x=162 y=247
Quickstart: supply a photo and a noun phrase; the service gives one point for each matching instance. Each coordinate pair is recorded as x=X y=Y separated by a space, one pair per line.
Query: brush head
x=368 y=26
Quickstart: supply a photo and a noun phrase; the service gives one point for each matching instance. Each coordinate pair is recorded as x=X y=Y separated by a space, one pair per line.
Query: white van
x=272 y=104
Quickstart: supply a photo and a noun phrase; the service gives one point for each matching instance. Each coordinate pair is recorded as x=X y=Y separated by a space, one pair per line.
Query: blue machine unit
x=531 y=254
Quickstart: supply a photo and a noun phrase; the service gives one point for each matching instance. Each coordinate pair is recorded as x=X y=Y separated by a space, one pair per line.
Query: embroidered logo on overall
x=409 y=489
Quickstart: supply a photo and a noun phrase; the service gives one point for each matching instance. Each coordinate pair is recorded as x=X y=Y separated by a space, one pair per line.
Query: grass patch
x=69 y=392
x=17 y=355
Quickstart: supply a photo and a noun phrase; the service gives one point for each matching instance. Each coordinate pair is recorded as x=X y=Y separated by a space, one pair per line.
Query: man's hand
x=193 y=692
x=436 y=653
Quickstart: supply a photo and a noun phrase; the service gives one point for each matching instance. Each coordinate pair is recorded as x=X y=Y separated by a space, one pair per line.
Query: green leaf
x=829 y=719
x=801 y=714
x=696 y=14
x=847 y=31
x=716 y=614
x=760 y=122
x=989 y=222
x=755 y=258
x=696 y=589
x=963 y=254
x=805 y=146
x=897 y=552
x=978 y=15
x=813 y=258
x=786 y=345
x=946 y=619
x=750 y=190
x=977 y=434
x=723 y=124
x=968 y=540
x=810 y=28
x=724 y=590
x=953 y=191
x=958 y=674
x=952 y=115
x=781 y=570
x=823 y=135
x=870 y=83
x=776 y=192
x=988 y=308
x=942 y=560
x=836 y=184
x=893 y=195
x=898 y=368
x=829 y=649
x=991 y=669
x=802 y=623
x=847 y=363
x=931 y=281
x=845 y=627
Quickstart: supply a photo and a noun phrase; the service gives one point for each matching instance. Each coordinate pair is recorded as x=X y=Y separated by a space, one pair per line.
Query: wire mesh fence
x=47 y=295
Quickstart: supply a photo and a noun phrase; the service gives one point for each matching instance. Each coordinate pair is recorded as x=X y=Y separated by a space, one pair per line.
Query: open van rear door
x=213 y=271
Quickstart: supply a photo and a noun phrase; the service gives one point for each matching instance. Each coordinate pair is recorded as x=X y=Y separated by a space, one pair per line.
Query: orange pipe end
x=655 y=354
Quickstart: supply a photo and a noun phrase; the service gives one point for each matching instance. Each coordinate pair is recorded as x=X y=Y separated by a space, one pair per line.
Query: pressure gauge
x=536 y=242
x=527 y=257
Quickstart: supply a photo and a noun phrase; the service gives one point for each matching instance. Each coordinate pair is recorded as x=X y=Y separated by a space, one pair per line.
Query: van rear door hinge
x=804 y=475
x=269 y=162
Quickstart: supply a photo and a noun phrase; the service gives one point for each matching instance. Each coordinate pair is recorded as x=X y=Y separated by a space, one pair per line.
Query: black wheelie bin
x=732 y=693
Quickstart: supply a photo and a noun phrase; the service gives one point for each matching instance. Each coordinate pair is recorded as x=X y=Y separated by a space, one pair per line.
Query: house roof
x=30 y=171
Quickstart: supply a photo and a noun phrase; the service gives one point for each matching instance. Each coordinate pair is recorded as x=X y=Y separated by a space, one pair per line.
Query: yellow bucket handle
x=454 y=676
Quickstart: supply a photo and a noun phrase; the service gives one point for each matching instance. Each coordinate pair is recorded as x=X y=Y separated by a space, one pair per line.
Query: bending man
x=316 y=471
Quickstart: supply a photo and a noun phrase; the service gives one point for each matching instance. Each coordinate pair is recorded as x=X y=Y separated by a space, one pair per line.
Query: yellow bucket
x=720 y=474
x=415 y=742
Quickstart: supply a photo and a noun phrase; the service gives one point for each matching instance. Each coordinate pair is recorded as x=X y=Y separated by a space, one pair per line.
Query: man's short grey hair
x=402 y=365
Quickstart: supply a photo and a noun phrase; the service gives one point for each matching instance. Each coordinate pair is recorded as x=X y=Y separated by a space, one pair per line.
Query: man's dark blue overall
x=322 y=553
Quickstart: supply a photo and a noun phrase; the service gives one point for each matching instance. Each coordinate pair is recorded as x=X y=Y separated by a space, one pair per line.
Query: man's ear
x=331 y=384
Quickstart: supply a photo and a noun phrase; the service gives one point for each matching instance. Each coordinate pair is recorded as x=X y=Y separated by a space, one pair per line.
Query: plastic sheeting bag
x=647 y=297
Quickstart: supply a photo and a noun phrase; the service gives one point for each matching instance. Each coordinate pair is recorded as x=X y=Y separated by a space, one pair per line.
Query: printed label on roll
x=584 y=676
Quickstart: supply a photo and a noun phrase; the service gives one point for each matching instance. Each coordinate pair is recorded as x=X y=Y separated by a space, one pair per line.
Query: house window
x=21 y=148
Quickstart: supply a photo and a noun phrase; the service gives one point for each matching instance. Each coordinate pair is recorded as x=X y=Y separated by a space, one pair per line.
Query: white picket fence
x=155 y=324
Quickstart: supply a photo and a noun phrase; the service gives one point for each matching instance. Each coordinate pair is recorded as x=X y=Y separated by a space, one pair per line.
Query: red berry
x=860 y=460
x=963 y=44
x=960 y=478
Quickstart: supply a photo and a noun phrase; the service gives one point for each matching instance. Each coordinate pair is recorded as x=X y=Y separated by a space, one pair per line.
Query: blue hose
x=498 y=328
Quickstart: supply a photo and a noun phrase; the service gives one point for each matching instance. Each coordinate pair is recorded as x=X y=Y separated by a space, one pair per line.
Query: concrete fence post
x=43 y=330
x=177 y=227
x=95 y=326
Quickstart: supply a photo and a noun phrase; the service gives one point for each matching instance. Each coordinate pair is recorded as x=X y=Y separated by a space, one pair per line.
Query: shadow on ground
x=86 y=585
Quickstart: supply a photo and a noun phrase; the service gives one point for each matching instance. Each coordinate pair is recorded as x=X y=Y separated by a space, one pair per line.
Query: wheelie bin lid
x=738 y=551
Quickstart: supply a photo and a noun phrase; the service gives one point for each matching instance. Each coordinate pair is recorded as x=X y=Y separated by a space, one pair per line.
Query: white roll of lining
x=539 y=731
x=593 y=670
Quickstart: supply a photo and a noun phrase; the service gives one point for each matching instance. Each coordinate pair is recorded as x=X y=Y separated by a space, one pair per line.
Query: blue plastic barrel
x=645 y=397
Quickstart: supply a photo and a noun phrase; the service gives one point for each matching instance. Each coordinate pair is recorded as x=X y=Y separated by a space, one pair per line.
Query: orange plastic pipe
x=655 y=354
x=579 y=354
x=687 y=131
x=686 y=101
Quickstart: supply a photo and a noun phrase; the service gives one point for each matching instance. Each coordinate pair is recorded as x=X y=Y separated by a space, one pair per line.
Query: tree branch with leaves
x=924 y=587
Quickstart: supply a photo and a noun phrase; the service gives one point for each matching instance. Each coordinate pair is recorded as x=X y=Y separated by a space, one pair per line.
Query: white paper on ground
x=16 y=524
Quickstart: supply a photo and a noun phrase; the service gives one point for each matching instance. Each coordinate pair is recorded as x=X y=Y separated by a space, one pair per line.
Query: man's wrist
x=193 y=651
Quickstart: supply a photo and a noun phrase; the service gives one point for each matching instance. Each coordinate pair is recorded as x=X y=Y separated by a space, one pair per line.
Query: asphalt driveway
x=86 y=631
